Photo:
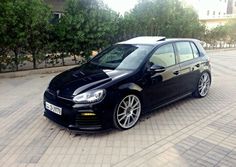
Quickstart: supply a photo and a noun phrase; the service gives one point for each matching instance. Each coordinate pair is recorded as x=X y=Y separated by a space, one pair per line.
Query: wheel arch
x=131 y=88
x=208 y=71
x=124 y=93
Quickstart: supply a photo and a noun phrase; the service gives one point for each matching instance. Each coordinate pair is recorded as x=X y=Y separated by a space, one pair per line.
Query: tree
x=12 y=31
x=37 y=27
x=85 y=26
x=221 y=34
x=24 y=26
x=231 y=26
x=164 y=18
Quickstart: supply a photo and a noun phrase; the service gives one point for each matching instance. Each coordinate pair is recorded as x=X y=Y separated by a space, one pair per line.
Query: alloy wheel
x=204 y=84
x=128 y=111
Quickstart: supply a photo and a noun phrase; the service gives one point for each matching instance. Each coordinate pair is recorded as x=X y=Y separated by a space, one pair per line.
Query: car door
x=188 y=58
x=163 y=86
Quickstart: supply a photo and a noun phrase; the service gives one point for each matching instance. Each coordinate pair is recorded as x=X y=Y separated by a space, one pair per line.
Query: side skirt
x=169 y=102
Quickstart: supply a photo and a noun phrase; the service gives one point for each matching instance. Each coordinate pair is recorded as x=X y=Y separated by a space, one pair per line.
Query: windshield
x=122 y=57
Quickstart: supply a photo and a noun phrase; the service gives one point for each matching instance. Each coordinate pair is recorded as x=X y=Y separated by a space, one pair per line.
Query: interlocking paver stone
x=190 y=132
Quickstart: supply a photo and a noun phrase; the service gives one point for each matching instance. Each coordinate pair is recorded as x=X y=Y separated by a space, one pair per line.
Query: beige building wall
x=56 y=5
x=213 y=13
x=234 y=6
x=208 y=9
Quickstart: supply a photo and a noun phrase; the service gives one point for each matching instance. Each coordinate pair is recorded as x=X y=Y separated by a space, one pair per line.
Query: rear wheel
x=127 y=112
x=203 y=85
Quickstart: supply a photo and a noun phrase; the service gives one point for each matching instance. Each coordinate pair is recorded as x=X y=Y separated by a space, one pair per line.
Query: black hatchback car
x=126 y=80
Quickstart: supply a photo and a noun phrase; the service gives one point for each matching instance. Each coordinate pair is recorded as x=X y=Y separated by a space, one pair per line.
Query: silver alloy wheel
x=204 y=84
x=128 y=111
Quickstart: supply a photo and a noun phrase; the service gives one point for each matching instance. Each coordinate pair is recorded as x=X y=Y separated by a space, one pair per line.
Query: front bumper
x=77 y=117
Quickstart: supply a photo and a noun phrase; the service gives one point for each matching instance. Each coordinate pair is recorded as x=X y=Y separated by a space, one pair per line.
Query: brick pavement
x=190 y=132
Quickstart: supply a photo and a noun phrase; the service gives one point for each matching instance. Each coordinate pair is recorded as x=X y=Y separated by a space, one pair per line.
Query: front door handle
x=176 y=72
x=197 y=65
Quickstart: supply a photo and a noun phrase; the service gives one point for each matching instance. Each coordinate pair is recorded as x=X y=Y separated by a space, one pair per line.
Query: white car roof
x=144 y=40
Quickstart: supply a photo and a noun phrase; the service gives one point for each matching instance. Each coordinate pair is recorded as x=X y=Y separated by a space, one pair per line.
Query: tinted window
x=195 y=50
x=185 y=51
x=122 y=57
x=164 y=56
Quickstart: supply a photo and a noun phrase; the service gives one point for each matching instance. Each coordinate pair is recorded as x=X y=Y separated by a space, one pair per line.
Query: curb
x=36 y=71
x=219 y=50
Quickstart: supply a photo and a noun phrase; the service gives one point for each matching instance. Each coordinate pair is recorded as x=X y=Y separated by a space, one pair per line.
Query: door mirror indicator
x=157 y=69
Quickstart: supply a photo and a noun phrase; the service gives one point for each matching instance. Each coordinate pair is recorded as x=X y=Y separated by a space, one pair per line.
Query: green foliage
x=24 y=26
x=216 y=34
x=85 y=26
x=12 y=35
x=164 y=17
x=221 y=34
x=37 y=27
x=231 y=27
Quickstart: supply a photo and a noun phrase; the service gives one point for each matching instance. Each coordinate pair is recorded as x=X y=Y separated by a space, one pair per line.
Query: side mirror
x=157 y=68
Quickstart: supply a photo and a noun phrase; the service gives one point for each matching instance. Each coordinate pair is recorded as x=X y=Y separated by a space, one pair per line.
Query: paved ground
x=191 y=132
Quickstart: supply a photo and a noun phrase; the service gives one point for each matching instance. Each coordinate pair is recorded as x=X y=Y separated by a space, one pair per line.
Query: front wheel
x=203 y=85
x=127 y=112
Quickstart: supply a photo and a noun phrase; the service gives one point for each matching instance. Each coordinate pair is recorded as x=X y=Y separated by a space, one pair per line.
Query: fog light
x=88 y=114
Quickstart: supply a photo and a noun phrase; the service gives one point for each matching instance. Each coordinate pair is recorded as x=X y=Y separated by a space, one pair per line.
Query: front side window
x=122 y=57
x=164 y=56
x=185 y=51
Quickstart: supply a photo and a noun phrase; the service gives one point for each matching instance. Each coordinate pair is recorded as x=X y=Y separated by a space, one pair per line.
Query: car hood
x=80 y=79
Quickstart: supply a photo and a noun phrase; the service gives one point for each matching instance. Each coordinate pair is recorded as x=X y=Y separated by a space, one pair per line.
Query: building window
x=235 y=3
x=56 y=18
x=214 y=13
x=208 y=12
x=219 y=13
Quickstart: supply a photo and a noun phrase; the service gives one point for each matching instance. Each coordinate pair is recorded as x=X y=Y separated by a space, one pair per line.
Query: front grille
x=87 y=121
x=51 y=95
x=65 y=102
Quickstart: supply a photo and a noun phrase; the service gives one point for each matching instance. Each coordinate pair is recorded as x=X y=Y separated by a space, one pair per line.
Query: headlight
x=90 y=96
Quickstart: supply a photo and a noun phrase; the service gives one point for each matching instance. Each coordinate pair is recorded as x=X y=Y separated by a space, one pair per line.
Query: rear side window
x=164 y=56
x=195 y=50
x=185 y=51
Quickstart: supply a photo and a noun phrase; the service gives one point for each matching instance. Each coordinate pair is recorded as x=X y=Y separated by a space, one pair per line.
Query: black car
x=126 y=80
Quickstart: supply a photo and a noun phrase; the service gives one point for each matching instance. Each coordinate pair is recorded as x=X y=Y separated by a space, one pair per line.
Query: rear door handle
x=176 y=72
x=197 y=65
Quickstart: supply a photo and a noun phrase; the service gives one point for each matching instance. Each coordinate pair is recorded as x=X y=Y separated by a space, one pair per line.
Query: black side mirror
x=157 y=68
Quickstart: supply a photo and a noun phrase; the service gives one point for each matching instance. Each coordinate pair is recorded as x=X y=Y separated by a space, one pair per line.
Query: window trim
x=174 y=49
x=196 y=48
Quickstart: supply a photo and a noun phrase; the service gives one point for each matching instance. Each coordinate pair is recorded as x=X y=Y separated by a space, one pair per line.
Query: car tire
x=127 y=112
x=203 y=85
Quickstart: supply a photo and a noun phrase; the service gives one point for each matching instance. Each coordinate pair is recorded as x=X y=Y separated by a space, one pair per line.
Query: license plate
x=53 y=108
